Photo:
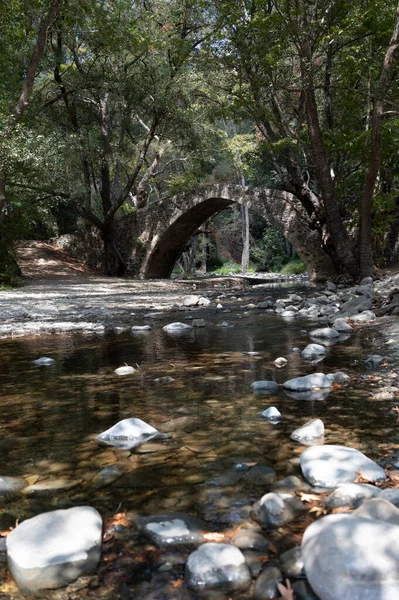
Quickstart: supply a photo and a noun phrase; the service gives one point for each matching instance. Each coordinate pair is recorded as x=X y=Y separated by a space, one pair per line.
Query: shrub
x=294 y=267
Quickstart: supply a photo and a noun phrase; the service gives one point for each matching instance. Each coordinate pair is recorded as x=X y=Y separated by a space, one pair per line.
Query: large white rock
x=55 y=548
x=352 y=557
x=217 y=567
x=309 y=382
x=329 y=466
x=128 y=433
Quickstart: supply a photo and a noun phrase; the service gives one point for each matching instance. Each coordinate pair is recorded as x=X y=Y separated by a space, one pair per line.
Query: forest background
x=108 y=106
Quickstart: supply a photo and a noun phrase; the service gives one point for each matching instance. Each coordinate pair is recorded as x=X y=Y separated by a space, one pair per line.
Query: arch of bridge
x=168 y=226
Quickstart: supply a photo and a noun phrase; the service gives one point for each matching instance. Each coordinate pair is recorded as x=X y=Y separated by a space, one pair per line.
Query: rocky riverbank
x=177 y=556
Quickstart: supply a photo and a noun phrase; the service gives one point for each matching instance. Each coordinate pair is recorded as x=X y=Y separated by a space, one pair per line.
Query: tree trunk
x=366 y=247
x=245 y=237
x=114 y=265
x=339 y=236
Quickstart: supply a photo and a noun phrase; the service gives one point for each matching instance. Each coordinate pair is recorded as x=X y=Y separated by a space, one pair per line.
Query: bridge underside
x=170 y=246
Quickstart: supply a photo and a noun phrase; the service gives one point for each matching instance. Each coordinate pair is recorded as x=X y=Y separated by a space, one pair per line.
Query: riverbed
x=51 y=415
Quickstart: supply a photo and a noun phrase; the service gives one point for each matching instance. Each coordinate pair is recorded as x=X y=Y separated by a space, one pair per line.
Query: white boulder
x=54 y=548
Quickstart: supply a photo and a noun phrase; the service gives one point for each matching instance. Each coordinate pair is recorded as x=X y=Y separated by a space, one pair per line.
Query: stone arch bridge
x=157 y=234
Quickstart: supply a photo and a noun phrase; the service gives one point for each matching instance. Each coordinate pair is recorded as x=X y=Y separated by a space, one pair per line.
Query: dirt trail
x=40 y=260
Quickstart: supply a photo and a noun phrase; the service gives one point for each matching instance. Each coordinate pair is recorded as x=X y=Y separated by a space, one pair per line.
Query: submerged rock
x=265 y=386
x=106 y=476
x=198 y=323
x=260 y=476
x=329 y=466
x=139 y=328
x=54 y=548
x=10 y=488
x=128 y=434
x=172 y=529
x=50 y=487
x=164 y=380
x=219 y=567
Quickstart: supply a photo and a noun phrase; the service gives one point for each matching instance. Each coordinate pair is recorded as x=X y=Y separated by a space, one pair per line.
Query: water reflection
x=50 y=416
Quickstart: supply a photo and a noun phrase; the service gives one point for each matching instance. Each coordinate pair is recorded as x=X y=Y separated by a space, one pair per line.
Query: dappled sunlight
x=52 y=415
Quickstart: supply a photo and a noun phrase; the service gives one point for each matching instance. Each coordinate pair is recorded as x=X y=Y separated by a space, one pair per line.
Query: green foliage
x=231 y=267
x=270 y=252
x=294 y=267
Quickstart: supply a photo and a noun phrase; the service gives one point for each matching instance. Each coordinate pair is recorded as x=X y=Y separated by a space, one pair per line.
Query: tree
x=366 y=248
x=14 y=105
x=286 y=66
x=119 y=96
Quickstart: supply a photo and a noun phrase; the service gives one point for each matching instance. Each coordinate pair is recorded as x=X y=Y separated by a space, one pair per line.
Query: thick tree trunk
x=366 y=247
x=114 y=265
x=339 y=236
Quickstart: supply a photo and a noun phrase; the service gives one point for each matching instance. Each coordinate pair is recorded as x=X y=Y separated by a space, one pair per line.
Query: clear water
x=50 y=416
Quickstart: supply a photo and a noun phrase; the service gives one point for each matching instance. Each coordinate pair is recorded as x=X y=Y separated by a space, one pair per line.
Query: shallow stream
x=50 y=416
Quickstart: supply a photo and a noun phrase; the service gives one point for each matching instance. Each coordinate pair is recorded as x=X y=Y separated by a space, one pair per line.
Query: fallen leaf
x=213 y=537
x=262 y=558
x=272 y=548
x=308 y=497
x=318 y=511
x=177 y=583
x=361 y=478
